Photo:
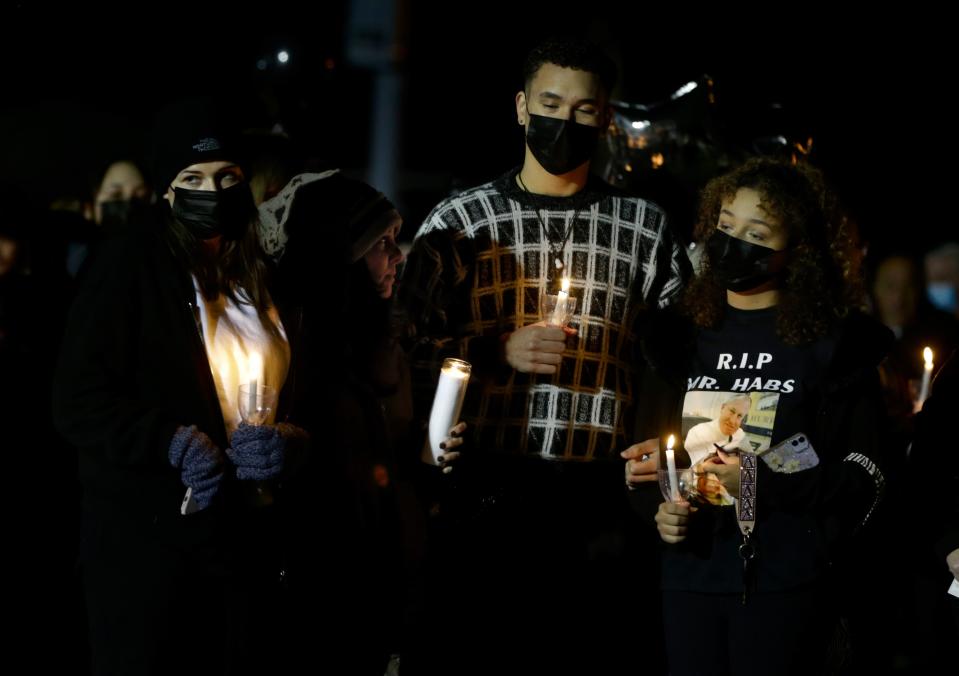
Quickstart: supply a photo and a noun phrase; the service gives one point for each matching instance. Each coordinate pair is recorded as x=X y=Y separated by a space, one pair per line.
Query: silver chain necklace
x=556 y=251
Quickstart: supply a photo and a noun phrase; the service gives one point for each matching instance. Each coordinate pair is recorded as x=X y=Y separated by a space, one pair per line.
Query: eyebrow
x=757 y=221
x=557 y=97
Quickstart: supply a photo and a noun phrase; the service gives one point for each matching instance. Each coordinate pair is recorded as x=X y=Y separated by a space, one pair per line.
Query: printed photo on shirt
x=727 y=421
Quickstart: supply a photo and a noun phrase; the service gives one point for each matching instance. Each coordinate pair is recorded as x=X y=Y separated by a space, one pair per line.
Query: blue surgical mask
x=943 y=296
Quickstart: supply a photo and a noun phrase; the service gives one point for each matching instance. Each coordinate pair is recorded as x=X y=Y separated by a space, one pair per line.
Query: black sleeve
x=659 y=394
x=436 y=302
x=95 y=405
x=854 y=458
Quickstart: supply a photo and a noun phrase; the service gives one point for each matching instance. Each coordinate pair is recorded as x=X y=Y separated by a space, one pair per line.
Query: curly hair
x=821 y=281
x=571 y=53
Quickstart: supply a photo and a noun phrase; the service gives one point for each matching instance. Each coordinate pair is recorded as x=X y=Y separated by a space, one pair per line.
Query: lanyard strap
x=746 y=505
x=746 y=515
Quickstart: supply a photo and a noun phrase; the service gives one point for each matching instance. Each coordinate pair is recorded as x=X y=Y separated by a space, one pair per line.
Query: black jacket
x=132 y=369
x=802 y=517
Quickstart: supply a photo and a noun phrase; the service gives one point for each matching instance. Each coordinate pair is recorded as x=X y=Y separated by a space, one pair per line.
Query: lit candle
x=671 y=469
x=926 y=375
x=448 y=402
x=254 y=372
x=562 y=302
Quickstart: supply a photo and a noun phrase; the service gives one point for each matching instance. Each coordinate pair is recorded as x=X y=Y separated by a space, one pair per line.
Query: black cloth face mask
x=118 y=214
x=212 y=213
x=560 y=145
x=741 y=265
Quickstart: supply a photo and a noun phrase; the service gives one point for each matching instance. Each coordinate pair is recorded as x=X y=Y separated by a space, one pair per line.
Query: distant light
x=657 y=160
x=330 y=64
x=261 y=64
x=640 y=124
x=628 y=167
x=283 y=56
x=685 y=89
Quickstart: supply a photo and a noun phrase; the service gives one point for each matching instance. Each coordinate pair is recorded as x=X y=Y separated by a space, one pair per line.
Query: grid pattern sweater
x=475 y=273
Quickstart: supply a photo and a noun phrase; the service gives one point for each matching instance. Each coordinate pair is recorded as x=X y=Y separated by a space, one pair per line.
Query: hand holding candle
x=256 y=404
x=448 y=402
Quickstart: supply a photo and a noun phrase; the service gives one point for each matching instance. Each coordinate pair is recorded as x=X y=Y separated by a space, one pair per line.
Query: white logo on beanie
x=206 y=145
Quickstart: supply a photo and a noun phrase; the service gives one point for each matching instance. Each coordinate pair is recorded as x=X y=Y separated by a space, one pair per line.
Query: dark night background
x=871 y=88
x=78 y=88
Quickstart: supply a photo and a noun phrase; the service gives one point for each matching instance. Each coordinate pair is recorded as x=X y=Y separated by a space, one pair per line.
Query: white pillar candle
x=926 y=375
x=562 y=302
x=671 y=469
x=254 y=372
x=448 y=402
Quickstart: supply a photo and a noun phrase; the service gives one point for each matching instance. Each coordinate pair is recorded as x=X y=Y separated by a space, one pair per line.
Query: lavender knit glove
x=200 y=462
x=257 y=452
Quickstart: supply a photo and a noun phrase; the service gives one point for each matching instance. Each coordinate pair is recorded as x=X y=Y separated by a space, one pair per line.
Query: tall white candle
x=448 y=402
x=671 y=468
x=562 y=302
x=254 y=372
x=926 y=375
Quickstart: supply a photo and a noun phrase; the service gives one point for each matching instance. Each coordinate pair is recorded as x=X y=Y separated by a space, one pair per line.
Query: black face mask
x=741 y=265
x=211 y=213
x=118 y=214
x=560 y=145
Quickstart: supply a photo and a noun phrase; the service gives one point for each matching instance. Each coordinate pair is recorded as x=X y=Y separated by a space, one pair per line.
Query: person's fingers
x=671 y=526
x=671 y=539
x=728 y=458
x=257 y=474
x=551 y=346
x=648 y=477
x=647 y=447
x=552 y=333
x=449 y=456
x=545 y=369
x=545 y=358
x=676 y=508
x=642 y=461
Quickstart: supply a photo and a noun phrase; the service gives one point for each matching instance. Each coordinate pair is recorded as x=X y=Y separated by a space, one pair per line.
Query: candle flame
x=927 y=355
x=565 y=284
x=670 y=442
x=254 y=367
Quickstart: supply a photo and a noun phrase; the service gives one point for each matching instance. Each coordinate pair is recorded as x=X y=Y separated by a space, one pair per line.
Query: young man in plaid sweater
x=548 y=408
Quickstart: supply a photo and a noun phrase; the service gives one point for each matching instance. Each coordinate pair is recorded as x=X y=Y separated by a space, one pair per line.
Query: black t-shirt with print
x=745 y=358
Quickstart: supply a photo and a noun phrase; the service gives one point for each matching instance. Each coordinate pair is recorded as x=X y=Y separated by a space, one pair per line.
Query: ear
x=522 y=115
